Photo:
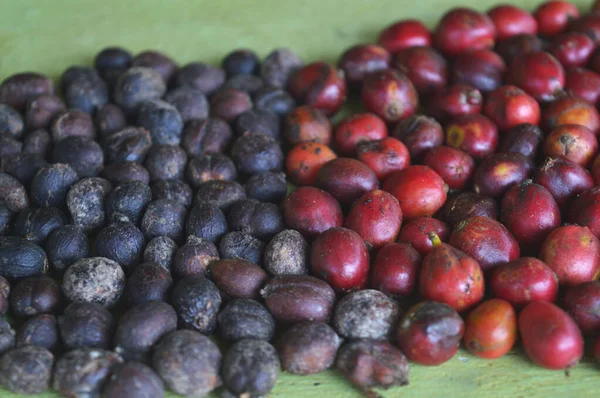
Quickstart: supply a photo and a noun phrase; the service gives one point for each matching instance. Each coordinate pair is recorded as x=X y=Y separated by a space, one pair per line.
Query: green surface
x=48 y=36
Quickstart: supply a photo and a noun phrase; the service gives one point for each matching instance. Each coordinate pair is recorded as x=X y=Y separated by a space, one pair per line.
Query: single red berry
x=518 y=45
x=346 y=179
x=582 y=302
x=539 y=74
x=455 y=101
x=491 y=329
x=319 y=85
x=509 y=106
x=498 y=172
x=523 y=138
x=384 y=156
x=583 y=83
x=311 y=211
x=554 y=15
x=357 y=128
x=474 y=134
x=426 y=68
x=573 y=142
x=304 y=161
x=416 y=233
x=362 y=59
x=511 y=20
x=462 y=30
x=483 y=69
x=395 y=269
x=570 y=110
x=453 y=165
x=563 y=179
x=390 y=95
x=404 y=34
x=585 y=210
x=307 y=124
x=572 y=49
x=419 y=133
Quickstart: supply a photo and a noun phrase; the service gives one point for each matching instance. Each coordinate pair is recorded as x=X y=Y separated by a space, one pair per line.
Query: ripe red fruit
x=554 y=15
x=346 y=179
x=583 y=83
x=483 y=69
x=582 y=302
x=450 y=276
x=573 y=253
x=426 y=68
x=486 y=240
x=585 y=210
x=390 y=95
x=430 y=333
x=311 y=211
x=563 y=179
x=454 y=166
x=573 y=142
x=587 y=24
x=550 y=337
x=572 y=49
x=491 y=329
x=523 y=138
x=395 y=269
x=464 y=29
x=362 y=59
x=341 y=258
x=358 y=128
x=517 y=45
x=539 y=74
x=499 y=172
x=307 y=124
x=384 y=156
x=509 y=106
x=304 y=161
x=416 y=233
x=376 y=217
x=455 y=101
x=530 y=213
x=419 y=133
x=473 y=134
x=511 y=20
x=419 y=189
x=570 y=110
x=404 y=34
x=319 y=85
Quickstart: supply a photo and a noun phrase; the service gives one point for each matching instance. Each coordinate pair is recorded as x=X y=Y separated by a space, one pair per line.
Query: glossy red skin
x=573 y=253
x=573 y=142
x=491 y=329
x=550 y=336
x=416 y=233
x=307 y=124
x=390 y=95
x=583 y=83
x=486 y=240
x=570 y=110
x=467 y=204
x=523 y=138
x=450 y=276
x=530 y=213
x=523 y=281
x=539 y=74
x=588 y=24
x=384 y=156
x=514 y=46
x=454 y=166
x=357 y=128
x=500 y=171
x=395 y=269
x=596 y=170
x=563 y=179
x=553 y=16
x=430 y=333
x=361 y=59
x=346 y=179
x=340 y=257
x=582 y=302
x=511 y=20
x=404 y=34
x=311 y=211
x=482 y=69
x=572 y=49
x=474 y=134
x=426 y=68
x=419 y=133
x=420 y=191
x=319 y=85
x=585 y=210
x=455 y=101
x=376 y=217
x=304 y=161
x=464 y=29
x=509 y=106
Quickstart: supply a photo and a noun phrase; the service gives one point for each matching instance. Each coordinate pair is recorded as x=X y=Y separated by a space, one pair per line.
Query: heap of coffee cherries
x=147 y=207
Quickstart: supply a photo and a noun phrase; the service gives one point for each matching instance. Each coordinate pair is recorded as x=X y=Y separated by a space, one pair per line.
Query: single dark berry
x=246 y=319
x=40 y=111
x=238 y=244
x=17 y=89
x=35 y=295
x=36 y=225
x=220 y=193
x=130 y=144
x=122 y=242
x=197 y=301
x=215 y=166
x=85 y=201
x=191 y=103
x=267 y=186
x=200 y=76
x=166 y=162
x=274 y=99
x=258 y=121
x=256 y=152
x=194 y=257
x=176 y=190
x=308 y=348
x=164 y=218
x=108 y=120
x=242 y=61
x=148 y=282
x=13 y=193
x=229 y=103
x=111 y=62
x=26 y=370
x=157 y=61
x=134 y=380
x=160 y=250
x=83 y=88
x=137 y=85
x=120 y=172
x=262 y=220
x=40 y=330
x=65 y=245
x=95 y=280
x=237 y=278
x=206 y=221
x=279 y=65
x=50 y=185
x=209 y=135
x=83 y=154
x=23 y=166
x=129 y=199
x=162 y=120
x=20 y=258
x=11 y=122
x=86 y=325
x=287 y=253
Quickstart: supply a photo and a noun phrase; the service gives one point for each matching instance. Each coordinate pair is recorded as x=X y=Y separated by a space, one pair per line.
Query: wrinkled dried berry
x=262 y=220
x=191 y=103
x=86 y=325
x=40 y=330
x=214 y=166
x=130 y=200
x=164 y=218
x=194 y=257
x=26 y=370
x=36 y=225
x=220 y=193
x=279 y=65
x=259 y=121
x=148 y=282
x=256 y=152
x=120 y=172
x=85 y=201
x=96 y=280
x=83 y=154
x=245 y=319
x=137 y=85
x=41 y=110
x=35 y=295
x=197 y=302
x=83 y=88
x=132 y=380
x=160 y=250
x=20 y=258
x=7 y=336
x=122 y=242
x=11 y=122
x=267 y=187
x=65 y=245
x=50 y=185
x=287 y=253
x=241 y=245
x=308 y=348
x=209 y=135
x=162 y=120
x=200 y=76
x=23 y=166
x=130 y=144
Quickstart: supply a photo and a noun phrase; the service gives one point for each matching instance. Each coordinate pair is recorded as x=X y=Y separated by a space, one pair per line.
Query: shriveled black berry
x=110 y=62
x=262 y=220
x=194 y=257
x=206 y=221
x=250 y=368
x=188 y=362
x=41 y=110
x=274 y=99
x=238 y=244
x=164 y=218
x=121 y=172
x=7 y=336
x=256 y=152
x=162 y=120
x=279 y=65
x=287 y=254
x=13 y=193
x=4 y=294
x=160 y=250
x=308 y=348
x=141 y=327
x=65 y=245
x=11 y=122
x=15 y=90
x=84 y=372
x=26 y=370
x=10 y=146
x=83 y=88
x=220 y=193
x=86 y=325
x=148 y=282
x=122 y=242
x=85 y=201
x=176 y=190
x=108 y=120
x=247 y=83
x=197 y=302
x=6 y=217
x=72 y=123
x=210 y=135
x=242 y=61
x=134 y=380
x=36 y=225
x=35 y=295
x=95 y=280
x=130 y=144
x=83 y=154
x=214 y=166
x=129 y=199
x=40 y=330
x=228 y=103
x=267 y=186
x=200 y=76
x=23 y=166
x=157 y=61
x=20 y=258
x=166 y=162
x=246 y=319
x=136 y=85
x=258 y=121
x=50 y=185
x=191 y=103
x=38 y=142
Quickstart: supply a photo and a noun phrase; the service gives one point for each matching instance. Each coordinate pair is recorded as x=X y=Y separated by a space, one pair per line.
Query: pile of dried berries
x=144 y=207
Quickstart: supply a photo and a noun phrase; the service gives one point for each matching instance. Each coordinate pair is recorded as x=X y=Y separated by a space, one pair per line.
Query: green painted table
x=48 y=36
